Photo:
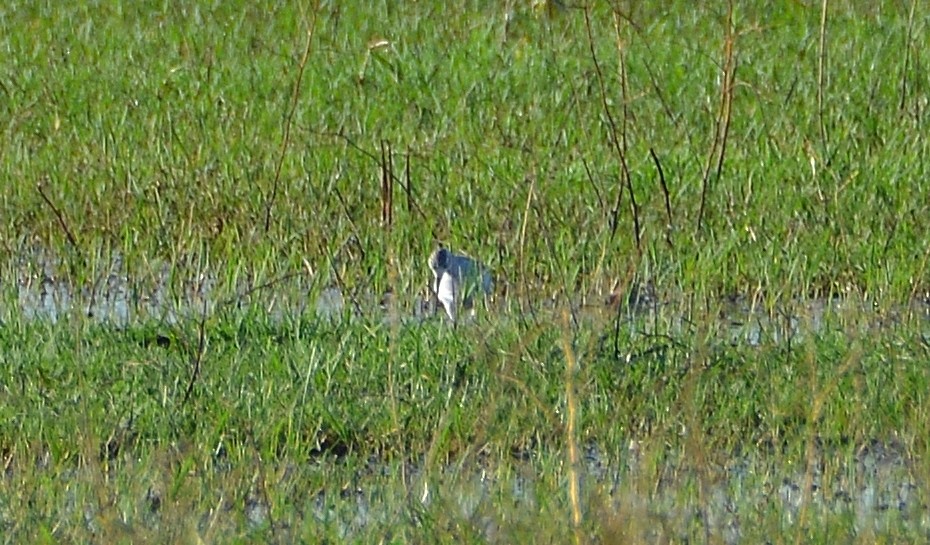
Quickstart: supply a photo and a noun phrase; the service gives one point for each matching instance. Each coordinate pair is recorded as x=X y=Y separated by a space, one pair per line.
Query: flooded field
x=632 y=484
x=473 y=272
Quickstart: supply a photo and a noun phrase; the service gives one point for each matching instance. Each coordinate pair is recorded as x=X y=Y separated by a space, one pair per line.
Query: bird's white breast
x=447 y=291
x=458 y=279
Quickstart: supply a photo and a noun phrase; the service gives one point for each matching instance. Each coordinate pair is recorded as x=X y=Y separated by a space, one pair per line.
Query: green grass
x=304 y=411
x=146 y=141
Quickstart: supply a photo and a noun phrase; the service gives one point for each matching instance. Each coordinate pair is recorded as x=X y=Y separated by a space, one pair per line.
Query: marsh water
x=878 y=484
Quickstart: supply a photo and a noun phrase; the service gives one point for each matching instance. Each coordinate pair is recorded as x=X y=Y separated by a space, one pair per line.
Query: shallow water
x=875 y=492
x=878 y=488
x=167 y=294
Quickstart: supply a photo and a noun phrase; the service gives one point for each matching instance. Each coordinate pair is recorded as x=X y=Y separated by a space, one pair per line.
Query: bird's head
x=439 y=261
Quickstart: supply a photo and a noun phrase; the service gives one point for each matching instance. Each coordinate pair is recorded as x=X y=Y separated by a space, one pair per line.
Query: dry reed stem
x=571 y=415
x=526 y=215
x=717 y=152
x=617 y=136
x=821 y=75
x=907 y=55
x=819 y=398
x=285 y=140
x=387 y=185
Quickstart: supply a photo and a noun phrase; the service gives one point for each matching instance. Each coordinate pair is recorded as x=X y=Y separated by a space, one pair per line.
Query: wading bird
x=456 y=278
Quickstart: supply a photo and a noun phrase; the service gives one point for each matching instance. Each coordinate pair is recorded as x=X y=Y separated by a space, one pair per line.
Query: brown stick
x=387 y=185
x=718 y=145
x=597 y=192
x=61 y=218
x=404 y=185
x=408 y=185
x=668 y=199
x=290 y=119
x=729 y=79
x=574 y=458
x=907 y=54
x=615 y=136
x=821 y=62
x=197 y=359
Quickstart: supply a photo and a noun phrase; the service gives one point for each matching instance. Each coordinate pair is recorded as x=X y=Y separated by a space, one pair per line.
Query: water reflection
x=875 y=489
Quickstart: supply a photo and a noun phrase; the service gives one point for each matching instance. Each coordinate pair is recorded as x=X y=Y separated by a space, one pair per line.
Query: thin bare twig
x=405 y=185
x=574 y=458
x=237 y=298
x=387 y=185
x=625 y=100
x=821 y=75
x=61 y=218
x=530 y=195
x=907 y=54
x=197 y=362
x=597 y=192
x=617 y=140
x=668 y=199
x=408 y=185
x=717 y=152
x=285 y=140
x=346 y=211
x=727 y=104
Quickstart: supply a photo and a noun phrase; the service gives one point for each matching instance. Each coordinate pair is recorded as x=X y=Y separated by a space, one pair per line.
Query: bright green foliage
x=147 y=140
